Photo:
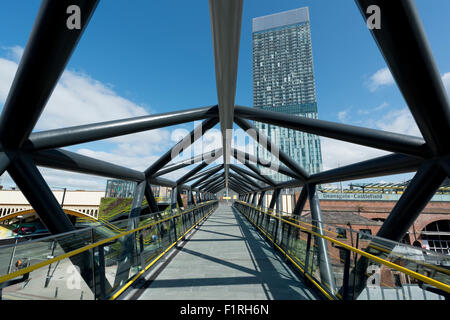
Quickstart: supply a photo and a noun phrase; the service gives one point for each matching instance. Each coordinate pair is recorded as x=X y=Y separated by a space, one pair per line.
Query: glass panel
x=61 y=281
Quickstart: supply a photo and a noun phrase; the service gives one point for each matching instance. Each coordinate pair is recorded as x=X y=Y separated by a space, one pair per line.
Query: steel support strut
x=226 y=19
x=46 y=54
x=326 y=270
x=273 y=201
x=301 y=202
x=383 y=140
x=92 y=132
x=245 y=158
x=419 y=192
x=36 y=191
x=180 y=146
x=402 y=40
x=272 y=148
x=261 y=199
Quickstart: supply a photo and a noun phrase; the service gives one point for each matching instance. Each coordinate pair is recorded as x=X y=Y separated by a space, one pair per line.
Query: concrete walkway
x=225 y=259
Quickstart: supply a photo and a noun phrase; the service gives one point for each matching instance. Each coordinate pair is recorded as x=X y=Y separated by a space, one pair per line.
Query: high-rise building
x=283 y=81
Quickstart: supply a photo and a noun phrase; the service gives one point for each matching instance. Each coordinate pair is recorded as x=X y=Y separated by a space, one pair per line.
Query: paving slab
x=226 y=259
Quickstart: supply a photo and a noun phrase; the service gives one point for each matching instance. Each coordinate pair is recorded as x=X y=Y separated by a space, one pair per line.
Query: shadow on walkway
x=225 y=259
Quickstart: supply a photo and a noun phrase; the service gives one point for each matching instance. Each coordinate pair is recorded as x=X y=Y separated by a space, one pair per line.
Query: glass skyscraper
x=283 y=81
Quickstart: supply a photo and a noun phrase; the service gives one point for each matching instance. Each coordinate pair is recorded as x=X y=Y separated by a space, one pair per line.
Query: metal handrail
x=69 y=254
x=374 y=258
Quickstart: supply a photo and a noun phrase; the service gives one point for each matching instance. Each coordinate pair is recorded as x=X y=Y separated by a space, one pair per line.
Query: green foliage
x=110 y=207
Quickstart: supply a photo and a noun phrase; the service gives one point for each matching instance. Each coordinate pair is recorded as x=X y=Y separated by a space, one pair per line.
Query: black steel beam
x=36 y=191
x=151 y=198
x=261 y=199
x=244 y=180
x=255 y=174
x=46 y=54
x=180 y=146
x=236 y=187
x=220 y=187
x=247 y=178
x=326 y=270
x=204 y=172
x=214 y=182
x=254 y=198
x=191 y=198
x=385 y=165
x=241 y=183
x=275 y=195
x=208 y=157
x=384 y=140
x=179 y=199
x=211 y=180
x=191 y=173
x=70 y=161
x=169 y=169
x=4 y=162
x=244 y=156
x=226 y=19
x=419 y=192
x=211 y=173
x=214 y=185
x=300 y=204
x=445 y=164
x=261 y=138
x=402 y=40
x=92 y=132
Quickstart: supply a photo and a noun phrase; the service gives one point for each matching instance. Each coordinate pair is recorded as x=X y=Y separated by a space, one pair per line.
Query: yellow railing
x=371 y=257
x=72 y=253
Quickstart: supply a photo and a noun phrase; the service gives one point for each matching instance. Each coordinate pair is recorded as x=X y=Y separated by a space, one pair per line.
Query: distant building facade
x=126 y=189
x=283 y=81
x=120 y=189
x=87 y=202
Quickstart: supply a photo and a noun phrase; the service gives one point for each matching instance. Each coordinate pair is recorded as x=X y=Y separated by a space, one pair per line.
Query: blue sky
x=157 y=56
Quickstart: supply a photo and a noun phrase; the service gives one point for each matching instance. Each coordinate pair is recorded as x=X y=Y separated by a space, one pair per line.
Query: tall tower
x=283 y=81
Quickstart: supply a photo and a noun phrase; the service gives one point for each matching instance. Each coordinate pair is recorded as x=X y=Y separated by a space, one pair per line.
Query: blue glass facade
x=283 y=81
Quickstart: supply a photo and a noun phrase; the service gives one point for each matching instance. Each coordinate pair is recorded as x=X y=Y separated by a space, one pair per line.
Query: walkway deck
x=225 y=259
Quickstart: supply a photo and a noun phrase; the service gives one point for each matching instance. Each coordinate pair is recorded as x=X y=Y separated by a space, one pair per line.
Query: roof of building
x=342 y=217
x=280 y=19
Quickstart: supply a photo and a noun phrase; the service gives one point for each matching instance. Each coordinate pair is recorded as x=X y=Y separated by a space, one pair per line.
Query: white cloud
x=336 y=153
x=399 y=121
x=7 y=70
x=78 y=99
x=382 y=77
x=14 y=52
x=381 y=106
x=446 y=81
x=343 y=115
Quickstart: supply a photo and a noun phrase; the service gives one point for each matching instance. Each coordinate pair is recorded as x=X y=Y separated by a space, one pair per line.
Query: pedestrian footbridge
x=220 y=251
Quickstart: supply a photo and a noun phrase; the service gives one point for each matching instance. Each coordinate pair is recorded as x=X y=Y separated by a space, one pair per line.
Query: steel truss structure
x=401 y=40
